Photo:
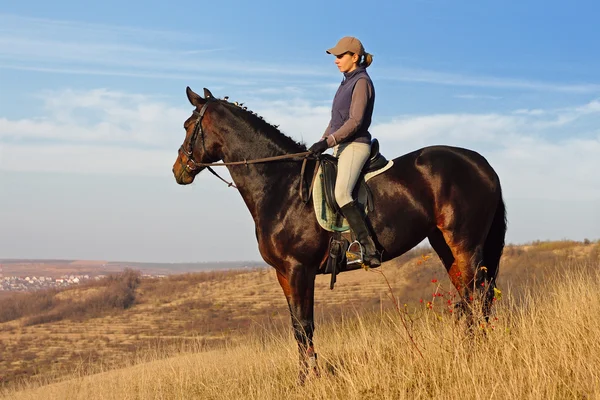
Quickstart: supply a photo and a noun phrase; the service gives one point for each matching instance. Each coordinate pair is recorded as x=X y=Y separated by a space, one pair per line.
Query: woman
x=348 y=134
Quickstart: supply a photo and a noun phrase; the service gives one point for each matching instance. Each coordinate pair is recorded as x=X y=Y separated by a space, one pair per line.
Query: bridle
x=193 y=165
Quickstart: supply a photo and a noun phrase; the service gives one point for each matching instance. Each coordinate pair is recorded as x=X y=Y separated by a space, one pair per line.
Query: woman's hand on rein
x=319 y=147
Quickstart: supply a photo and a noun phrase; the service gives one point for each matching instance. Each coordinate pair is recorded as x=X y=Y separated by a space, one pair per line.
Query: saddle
x=326 y=207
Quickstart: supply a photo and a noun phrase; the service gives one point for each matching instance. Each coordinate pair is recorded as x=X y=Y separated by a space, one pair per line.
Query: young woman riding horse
x=449 y=195
x=348 y=133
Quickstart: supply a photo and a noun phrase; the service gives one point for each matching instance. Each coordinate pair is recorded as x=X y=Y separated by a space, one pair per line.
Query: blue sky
x=92 y=101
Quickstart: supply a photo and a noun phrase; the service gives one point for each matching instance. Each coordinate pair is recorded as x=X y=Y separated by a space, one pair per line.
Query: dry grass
x=210 y=310
x=545 y=343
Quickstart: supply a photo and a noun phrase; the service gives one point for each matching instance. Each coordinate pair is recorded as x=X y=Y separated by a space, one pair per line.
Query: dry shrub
x=23 y=304
x=118 y=293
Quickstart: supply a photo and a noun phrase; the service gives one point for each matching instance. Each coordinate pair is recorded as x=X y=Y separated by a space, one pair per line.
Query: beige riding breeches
x=351 y=159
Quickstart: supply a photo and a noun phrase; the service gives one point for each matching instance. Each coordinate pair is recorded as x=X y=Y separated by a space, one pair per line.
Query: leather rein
x=193 y=165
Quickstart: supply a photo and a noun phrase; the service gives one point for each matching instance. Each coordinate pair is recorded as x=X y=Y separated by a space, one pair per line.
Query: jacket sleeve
x=360 y=98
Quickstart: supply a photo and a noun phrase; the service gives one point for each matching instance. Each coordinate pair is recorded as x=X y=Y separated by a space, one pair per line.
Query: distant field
x=124 y=321
x=58 y=268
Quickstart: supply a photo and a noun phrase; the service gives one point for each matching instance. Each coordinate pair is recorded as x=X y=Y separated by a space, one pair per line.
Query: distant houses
x=27 y=283
x=30 y=283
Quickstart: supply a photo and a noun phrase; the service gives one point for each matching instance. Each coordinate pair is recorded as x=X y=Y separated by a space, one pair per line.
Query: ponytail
x=367 y=60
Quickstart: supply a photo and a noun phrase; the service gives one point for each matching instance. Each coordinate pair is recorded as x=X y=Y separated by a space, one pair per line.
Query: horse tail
x=494 y=243
x=492 y=251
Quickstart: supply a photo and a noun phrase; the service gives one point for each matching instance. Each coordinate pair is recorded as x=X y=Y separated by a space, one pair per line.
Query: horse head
x=203 y=142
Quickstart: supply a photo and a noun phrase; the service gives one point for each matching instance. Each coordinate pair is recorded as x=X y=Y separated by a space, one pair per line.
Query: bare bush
x=118 y=292
x=22 y=304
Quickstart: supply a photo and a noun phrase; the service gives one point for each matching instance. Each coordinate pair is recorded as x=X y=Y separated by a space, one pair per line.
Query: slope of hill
x=48 y=336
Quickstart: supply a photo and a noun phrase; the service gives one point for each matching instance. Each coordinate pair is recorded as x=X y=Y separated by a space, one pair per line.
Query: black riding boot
x=371 y=257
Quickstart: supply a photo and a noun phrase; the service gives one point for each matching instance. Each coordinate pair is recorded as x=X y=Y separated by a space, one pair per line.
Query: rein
x=208 y=166
x=192 y=164
x=304 y=154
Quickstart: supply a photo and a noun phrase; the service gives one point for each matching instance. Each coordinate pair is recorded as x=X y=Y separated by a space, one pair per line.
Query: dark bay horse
x=450 y=195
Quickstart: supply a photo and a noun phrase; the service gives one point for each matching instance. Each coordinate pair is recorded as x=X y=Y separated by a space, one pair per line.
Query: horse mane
x=261 y=126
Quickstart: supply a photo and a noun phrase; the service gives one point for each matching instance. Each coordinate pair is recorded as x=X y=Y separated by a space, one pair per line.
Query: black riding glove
x=319 y=147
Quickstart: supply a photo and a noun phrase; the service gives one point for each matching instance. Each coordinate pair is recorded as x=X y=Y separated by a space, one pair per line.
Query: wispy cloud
x=38 y=27
x=86 y=159
x=183 y=76
x=97 y=116
x=477 y=97
x=403 y=74
x=550 y=153
x=71 y=47
x=68 y=47
x=489 y=127
x=543 y=154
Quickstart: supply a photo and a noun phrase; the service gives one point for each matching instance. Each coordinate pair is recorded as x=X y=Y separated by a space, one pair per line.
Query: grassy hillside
x=205 y=320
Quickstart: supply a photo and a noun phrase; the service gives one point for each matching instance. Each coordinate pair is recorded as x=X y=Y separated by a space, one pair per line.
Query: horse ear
x=194 y=98
x=207 y=93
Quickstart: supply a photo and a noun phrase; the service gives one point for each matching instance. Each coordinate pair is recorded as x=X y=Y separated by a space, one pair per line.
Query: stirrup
x=353 y=256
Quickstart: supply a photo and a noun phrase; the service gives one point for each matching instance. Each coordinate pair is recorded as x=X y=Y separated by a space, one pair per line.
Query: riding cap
x=347 y=44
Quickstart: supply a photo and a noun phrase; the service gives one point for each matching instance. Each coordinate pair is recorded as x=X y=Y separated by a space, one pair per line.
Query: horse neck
x=266 y=185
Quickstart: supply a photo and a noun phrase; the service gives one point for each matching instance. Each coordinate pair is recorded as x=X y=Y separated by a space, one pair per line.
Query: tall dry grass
x=543 y=344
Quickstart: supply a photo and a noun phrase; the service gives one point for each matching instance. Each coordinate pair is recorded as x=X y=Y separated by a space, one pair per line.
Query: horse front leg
x=299 y=288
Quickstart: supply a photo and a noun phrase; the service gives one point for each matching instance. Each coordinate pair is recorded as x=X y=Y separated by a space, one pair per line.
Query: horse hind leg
x=437 y=241
x=464 y=265
x=477 y=281
x=449 y=259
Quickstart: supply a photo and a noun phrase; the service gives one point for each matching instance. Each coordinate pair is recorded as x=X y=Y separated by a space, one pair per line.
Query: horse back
x=428 y=188
x=443 y=169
